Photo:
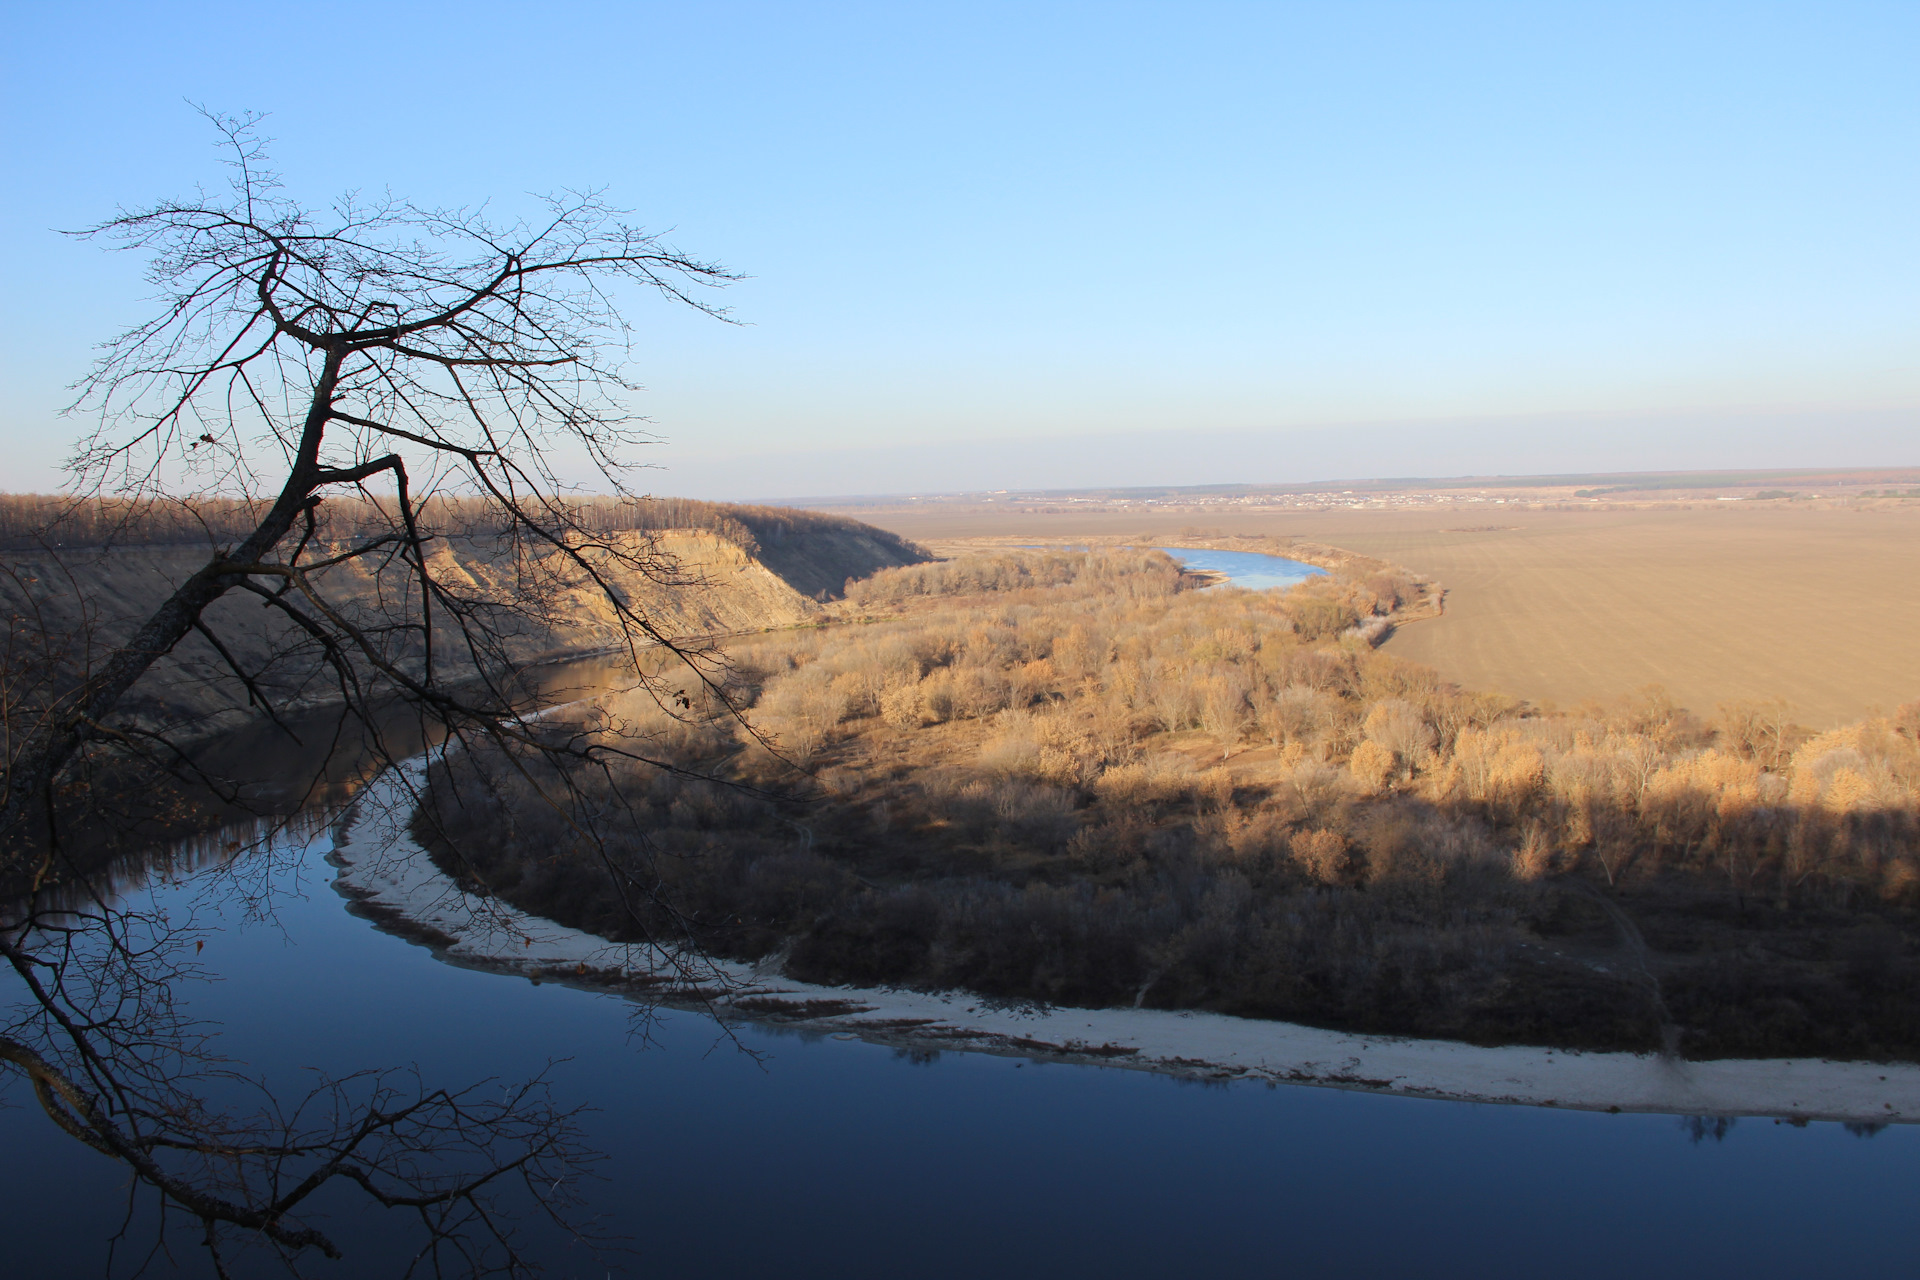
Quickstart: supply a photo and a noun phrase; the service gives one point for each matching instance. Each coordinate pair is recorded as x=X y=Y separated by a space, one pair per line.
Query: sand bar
x=390 y=878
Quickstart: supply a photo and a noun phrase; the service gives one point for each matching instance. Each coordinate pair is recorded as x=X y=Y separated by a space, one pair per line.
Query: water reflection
x=822 y=1156
x=283 y=784
x=1700 y=1129
x=828 y=1157
x=111 y=1023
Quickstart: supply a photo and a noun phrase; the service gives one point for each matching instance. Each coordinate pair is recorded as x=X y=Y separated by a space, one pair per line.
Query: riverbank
x=389 y=878
x=1417 y=596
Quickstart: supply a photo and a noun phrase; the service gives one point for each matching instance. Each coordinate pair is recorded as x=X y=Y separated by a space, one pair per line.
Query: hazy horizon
x=1001 y=246
x=1443 y=449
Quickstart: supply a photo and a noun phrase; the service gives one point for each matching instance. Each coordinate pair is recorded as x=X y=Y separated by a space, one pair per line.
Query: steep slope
x=765 y=571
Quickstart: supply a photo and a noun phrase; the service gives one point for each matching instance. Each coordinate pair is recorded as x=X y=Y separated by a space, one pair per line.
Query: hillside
x=730 y=570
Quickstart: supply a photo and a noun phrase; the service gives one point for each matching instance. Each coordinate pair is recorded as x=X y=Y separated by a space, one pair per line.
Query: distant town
x=1570 y=490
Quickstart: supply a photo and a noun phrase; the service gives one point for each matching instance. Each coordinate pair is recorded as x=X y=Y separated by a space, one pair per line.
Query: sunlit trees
x=1398 y=726
x=1762 y=730
x=1049 y=803
x=1619 y=789
x=1371 y=764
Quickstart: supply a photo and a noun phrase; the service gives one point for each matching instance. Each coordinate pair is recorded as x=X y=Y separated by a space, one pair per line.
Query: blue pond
x=1247 y=569
x=844 y=1159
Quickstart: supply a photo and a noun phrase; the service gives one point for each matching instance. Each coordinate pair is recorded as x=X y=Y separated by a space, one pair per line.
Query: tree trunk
x=48 y=749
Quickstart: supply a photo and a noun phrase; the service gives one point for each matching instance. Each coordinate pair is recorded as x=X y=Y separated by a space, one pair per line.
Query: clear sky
x=1010 y=245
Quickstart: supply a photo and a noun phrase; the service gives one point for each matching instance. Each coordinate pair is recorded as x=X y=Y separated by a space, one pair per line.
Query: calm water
x=843 y=1159
x=1247 y=569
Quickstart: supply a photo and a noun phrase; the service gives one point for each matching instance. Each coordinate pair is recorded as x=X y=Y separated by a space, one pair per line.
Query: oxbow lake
x=838 y=1158
x=1249 y=569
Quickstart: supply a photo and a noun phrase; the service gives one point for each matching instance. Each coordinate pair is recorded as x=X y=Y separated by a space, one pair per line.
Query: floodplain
x=1560 y=602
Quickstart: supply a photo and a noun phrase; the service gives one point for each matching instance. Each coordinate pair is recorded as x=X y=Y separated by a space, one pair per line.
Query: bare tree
x=337 y=349
x=1762 y=731
x=396 y=356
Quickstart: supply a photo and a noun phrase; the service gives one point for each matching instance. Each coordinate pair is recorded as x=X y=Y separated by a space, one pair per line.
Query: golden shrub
x=1804 y=793
x=1322 y=854
x=1518 y=770
x=1371 y=765
x=1155 y=781
x=936 y=695
x=1031 y=681
x=1533 y=860
x=1397 y=725
x=1849 y=790
x=904 y=707
x=1493 y=766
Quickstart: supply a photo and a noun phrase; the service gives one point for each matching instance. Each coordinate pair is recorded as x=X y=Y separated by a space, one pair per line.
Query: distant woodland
x=1075 y=778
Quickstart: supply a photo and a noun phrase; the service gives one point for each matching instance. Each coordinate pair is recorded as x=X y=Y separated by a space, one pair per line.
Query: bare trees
x=381 y=350
x=397 y=356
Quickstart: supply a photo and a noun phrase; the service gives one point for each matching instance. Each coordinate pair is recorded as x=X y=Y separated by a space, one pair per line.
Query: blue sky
x=1021 y=245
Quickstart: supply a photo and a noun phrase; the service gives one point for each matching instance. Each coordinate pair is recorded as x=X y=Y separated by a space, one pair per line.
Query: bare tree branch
x=296 y=355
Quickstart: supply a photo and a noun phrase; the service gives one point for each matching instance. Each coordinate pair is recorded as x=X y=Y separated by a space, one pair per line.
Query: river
x=829 y=1157
x=1250 y=569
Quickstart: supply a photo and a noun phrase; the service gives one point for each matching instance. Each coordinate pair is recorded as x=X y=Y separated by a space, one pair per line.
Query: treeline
x=1101 y=669
x=1134 y=572
x=34 y=520
x=1319 y=608
x=1113 y=790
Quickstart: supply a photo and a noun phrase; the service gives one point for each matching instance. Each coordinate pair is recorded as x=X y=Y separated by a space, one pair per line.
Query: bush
x=1400 y=856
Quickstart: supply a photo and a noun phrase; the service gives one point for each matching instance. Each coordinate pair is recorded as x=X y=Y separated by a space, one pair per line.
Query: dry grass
x=1718 y=602
x=1118 y=789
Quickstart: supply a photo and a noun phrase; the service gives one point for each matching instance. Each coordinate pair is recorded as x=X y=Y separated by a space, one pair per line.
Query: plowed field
x=1719 y=601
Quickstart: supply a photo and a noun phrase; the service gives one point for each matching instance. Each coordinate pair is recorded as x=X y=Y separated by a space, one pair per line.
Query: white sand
x=382 y=868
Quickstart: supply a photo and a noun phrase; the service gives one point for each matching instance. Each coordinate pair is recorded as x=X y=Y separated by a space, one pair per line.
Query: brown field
x=1816 y=604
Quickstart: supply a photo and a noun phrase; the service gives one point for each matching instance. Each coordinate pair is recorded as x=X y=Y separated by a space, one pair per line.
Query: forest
x=1076 y=778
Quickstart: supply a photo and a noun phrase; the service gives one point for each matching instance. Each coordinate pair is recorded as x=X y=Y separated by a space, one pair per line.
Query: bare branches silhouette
x=434 y=374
